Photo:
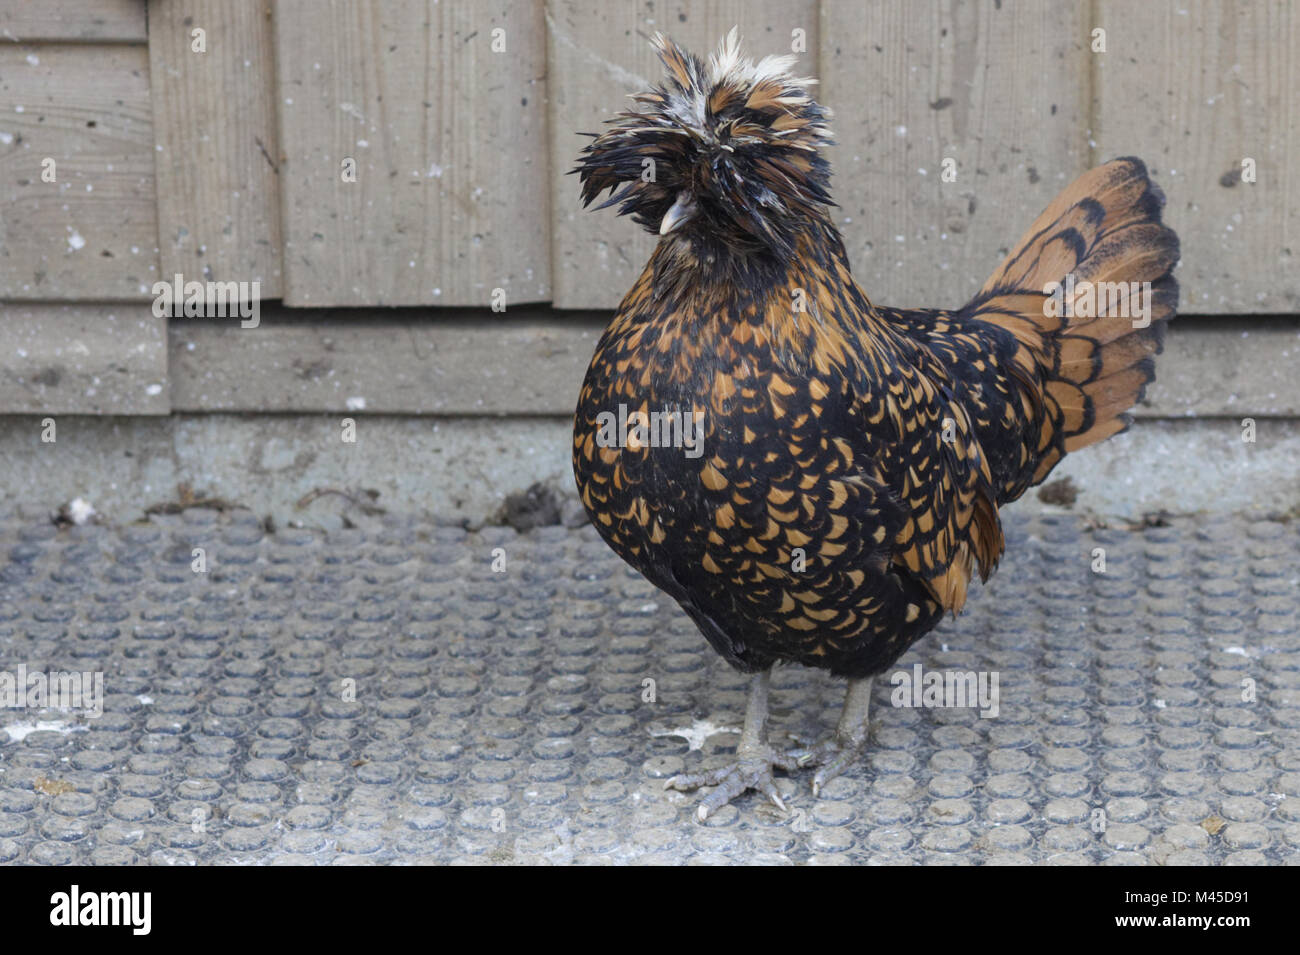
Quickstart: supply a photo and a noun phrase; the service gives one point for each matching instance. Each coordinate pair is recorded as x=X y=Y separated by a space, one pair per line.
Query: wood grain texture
x=375 y=361
x=450 y=199
x=214 y=124
x=83 y=359
x=92 y=233
x=1194 y=88
x=1227 y=366
x=96 y=21
x=1001 y=89
x=599 y=53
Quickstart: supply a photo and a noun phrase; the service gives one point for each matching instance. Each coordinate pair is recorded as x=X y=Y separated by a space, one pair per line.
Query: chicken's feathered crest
x=735 y=141
x=729 y=66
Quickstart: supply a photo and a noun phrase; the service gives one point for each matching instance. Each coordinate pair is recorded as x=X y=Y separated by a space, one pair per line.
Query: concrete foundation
x=298 y=469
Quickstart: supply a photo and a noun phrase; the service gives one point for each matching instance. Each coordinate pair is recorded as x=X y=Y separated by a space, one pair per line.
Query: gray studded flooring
x=382 y=695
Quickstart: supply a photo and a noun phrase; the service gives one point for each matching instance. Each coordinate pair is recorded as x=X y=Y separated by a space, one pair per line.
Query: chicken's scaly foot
x=754 y=762
x=838 y=752
x=752 y=772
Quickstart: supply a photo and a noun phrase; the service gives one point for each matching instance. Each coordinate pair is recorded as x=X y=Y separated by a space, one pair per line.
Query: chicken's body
x=853 y=457
x=791 y=460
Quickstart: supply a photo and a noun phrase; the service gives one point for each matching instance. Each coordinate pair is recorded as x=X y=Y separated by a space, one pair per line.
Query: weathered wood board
x=83 y=359
x=599 y=53
x=379 y=361
x=1001 y=90
x=442 y=108
x=215 y=128
x=93 y=21
x=1195 y=88
x=79 y=115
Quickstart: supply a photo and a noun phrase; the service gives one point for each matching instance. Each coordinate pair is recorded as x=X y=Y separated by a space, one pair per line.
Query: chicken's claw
x=842 y=748
x=831 y=756
x=751 y=770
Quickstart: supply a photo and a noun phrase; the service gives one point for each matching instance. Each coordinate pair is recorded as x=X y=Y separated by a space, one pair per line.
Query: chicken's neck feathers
x=806 y=310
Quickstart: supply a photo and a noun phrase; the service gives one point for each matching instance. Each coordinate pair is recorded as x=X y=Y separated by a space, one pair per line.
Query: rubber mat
x=407 y=692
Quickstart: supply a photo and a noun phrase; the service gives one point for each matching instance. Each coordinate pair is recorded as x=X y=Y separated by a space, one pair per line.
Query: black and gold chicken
x=853 y=457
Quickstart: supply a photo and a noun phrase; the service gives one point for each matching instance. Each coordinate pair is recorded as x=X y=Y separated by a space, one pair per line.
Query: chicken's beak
x=681 y=210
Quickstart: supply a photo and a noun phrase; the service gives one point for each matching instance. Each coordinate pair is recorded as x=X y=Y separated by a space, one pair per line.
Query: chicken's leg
x=836 y=754
x=754 y=759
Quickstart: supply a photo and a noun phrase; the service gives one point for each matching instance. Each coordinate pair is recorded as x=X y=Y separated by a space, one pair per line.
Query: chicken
x=812 y=477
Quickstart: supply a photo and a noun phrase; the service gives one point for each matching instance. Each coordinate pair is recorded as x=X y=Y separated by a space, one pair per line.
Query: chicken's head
x=724 y=152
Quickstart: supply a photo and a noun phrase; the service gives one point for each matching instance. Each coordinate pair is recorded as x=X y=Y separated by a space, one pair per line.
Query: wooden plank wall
x=87 y=228
x=462 y=120
x=1195 y=88
x=999 y=91
x=106 y=21
x=214 y=123
x=442 y=108
x=78 y=217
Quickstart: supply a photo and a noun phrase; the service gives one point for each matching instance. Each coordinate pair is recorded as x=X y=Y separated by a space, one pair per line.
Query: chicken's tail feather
x=1086 y=293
